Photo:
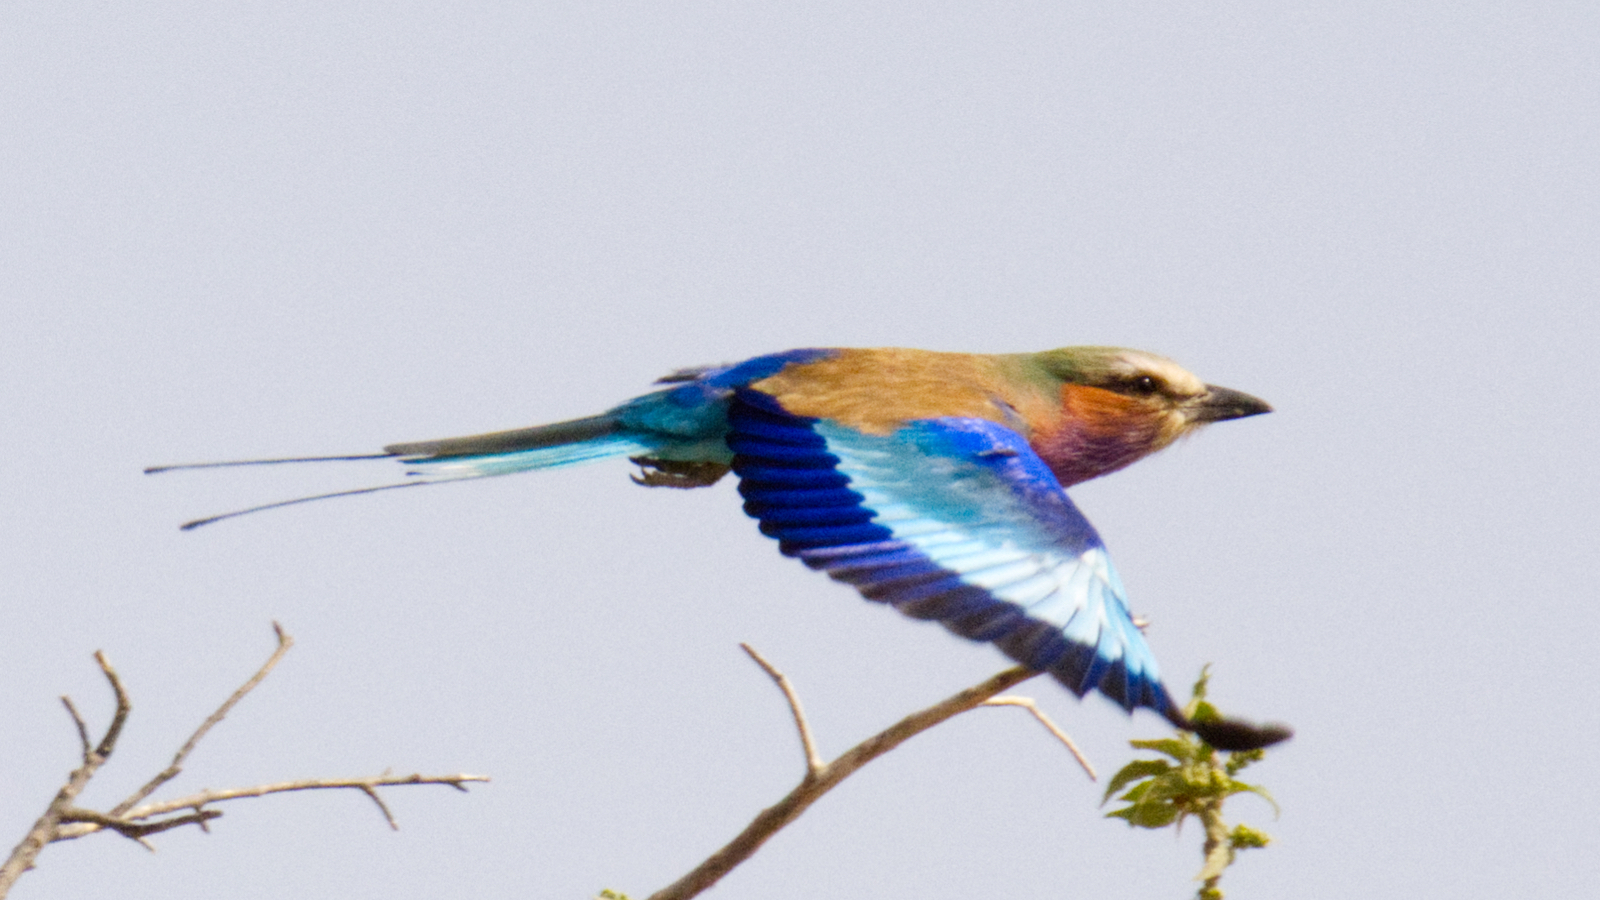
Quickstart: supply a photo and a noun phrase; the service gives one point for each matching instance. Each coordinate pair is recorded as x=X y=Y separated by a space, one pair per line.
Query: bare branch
x=44 y=829
x=77 y=720
x=458 y=782
x=382 y=807
x=108 y=743
x=819 y=782
x=808 y=742
x=172 y=771
x=64 y=821
x=136 y=831
x=86 y=825
x=1028 y=704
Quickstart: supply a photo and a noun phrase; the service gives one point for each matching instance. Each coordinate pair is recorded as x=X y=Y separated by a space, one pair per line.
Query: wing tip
x=1237 y=734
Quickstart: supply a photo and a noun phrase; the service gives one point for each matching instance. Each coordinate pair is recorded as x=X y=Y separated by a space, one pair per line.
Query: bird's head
x=1118 y=405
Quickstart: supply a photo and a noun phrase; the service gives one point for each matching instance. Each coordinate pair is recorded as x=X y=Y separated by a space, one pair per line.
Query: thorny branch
x=136 y=820
x=822 y=777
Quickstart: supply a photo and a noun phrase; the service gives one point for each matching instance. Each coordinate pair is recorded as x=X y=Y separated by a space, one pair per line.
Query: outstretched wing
x=955 y=520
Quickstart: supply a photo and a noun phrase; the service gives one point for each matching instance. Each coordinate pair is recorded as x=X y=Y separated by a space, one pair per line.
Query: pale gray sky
x=258 y=229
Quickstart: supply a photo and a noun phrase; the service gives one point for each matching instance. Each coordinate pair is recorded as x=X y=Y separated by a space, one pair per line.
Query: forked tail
x=474 y=456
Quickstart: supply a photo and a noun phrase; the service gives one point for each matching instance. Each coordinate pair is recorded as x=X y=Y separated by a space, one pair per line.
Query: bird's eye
x=1144 y=385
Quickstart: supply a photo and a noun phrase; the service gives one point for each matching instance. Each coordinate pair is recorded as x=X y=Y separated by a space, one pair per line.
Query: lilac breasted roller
x=931 y=482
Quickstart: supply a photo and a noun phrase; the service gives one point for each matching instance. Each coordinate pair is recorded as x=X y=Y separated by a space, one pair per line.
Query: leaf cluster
x=1193 y=780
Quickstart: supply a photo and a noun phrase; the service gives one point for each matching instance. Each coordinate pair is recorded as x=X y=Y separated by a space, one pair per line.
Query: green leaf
x=1133 y=771
x=1180 y=749
x=1138 y=792
x=1152 y=815
x=1194 y=780
x=1238 y=760
x=1199 y=689
x=1202 y=711
x=1243 y=837
x=1240 y=787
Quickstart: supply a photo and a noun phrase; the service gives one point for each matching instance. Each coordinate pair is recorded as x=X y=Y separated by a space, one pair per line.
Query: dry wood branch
x=108 y=742
x=818 y=781
x=1028 y=704
x=808 y=742
x=77 y=720
x=136 y=820
x=44 y=829
x=172 y=771
x=85 y=822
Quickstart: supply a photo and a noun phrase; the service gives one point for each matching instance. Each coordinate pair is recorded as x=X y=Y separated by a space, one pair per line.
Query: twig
x=1028 y=704
x=172 y=771
x=64 y=821
x=85 y=822
x=44 y=830
x=382 y=807
x=808 y=742
x=83 y=730
x=108 y=741
x=820 y=780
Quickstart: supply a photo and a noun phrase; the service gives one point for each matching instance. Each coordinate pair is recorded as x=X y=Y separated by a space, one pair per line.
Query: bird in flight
x=932 y=482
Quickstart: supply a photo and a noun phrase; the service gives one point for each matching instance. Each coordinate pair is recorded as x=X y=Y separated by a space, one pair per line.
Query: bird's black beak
x=1220 y=404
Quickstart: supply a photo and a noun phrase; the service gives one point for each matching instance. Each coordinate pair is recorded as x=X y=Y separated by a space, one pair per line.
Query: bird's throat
x=1099 y=432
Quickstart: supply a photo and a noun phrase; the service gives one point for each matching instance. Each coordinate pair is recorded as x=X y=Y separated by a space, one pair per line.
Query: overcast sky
x=266 y=229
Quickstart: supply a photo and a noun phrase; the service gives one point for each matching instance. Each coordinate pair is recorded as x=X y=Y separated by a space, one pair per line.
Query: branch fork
x=821 y=777
x=135 y=819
